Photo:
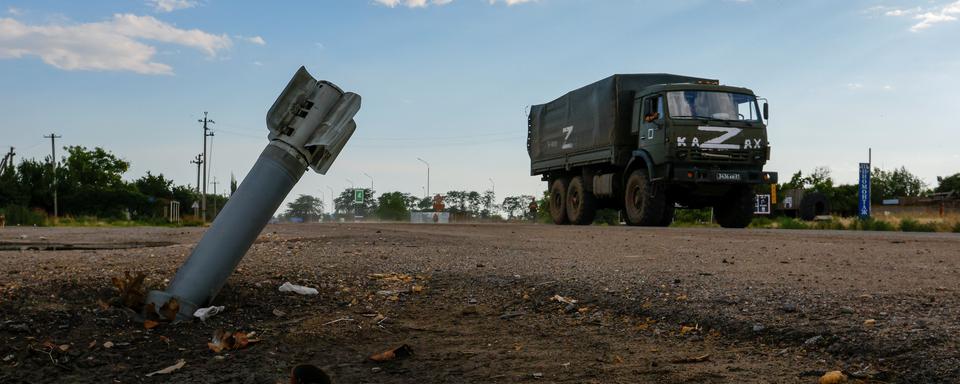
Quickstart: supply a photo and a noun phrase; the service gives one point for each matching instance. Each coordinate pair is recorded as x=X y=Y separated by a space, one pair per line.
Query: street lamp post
x=371 y=180
x=428 y=174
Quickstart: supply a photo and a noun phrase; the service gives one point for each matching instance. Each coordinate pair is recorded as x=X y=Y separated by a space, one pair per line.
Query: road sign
x=358 y=196
x=762 y=205
x=195 y=205
x=863 y=206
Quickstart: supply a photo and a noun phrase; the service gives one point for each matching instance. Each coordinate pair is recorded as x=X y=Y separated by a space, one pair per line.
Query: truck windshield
x=712 y=105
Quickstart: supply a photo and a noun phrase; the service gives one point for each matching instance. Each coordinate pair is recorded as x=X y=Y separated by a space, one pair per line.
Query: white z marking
x=717 y=142
x=567 y=131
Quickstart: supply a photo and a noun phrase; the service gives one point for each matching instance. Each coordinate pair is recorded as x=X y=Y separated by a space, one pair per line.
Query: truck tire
x=667 y=218
x=558 y=199
x=736 y=209
x=814 y=204
x=581 y=204
x=644 y=202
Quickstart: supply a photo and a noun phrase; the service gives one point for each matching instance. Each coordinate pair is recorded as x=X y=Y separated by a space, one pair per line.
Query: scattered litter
x=168 y=370
x=401 y=277
x=108 y=344
x=538 y=375
x=205 y=313
x=695 y=359
x=391 y=354
x=833 y=377
x=565 y=300
x=299 y=289
x=869 y=323
x=279 y=313
x=223 y=341
x=685 y=329
x=309 y=374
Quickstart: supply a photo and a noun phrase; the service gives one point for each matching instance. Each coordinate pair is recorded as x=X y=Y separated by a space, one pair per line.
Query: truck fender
x=640 y=155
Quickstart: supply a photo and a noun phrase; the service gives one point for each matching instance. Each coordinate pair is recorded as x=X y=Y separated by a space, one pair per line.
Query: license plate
x=722 y=176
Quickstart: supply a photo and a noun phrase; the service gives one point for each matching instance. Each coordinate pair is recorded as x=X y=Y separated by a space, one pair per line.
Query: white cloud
x=927 y=17
x=854 y=86
x=171 y=5
x=113 y=45
x=256 y=40
x=425 y=3
x=14 y=11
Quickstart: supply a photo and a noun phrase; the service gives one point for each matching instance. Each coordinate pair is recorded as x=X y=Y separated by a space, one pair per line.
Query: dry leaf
x=391 y=354
x=565 y=300
x=150 y=324
x=131 y=289
x=168 y=370
x=223 y=340
x=169 y=309
x=869 y=323
x=833 y=377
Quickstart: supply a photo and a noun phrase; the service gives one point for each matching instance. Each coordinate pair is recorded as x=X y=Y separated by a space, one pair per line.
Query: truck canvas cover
x=594 y=118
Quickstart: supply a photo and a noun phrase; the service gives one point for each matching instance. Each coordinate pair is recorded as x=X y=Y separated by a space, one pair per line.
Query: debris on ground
x=205 y=313
x=689 y=360
x=399 y=277
x=168 y=370
x=131 y=289
x=400 y=352
x=299 y=289
x=226 y=340
x=308 y=374
x=869 y=323
x=150 y=324
x=833 y=377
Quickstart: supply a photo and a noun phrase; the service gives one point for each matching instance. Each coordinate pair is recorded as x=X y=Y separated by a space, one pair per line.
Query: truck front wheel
x=645 y=203
x=581 y=205
x=736 y=209
x=558 y=200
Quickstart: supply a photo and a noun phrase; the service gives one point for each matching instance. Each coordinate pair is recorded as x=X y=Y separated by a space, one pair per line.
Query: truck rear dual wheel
x=581 y=204
x=646 y=203
x=736 y=209
x=558 y=201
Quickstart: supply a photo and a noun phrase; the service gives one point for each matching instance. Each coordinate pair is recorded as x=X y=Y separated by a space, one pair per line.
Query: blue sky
x=449 y=81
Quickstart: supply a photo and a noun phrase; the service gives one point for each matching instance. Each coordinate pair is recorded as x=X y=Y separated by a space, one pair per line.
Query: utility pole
x=198 y=161
x=214 y=193
x=7 y=160
x=53 y=164
x=203 y=194
x=333 y=200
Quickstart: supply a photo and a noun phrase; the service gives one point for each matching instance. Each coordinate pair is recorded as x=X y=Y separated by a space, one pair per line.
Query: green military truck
x=643 y=143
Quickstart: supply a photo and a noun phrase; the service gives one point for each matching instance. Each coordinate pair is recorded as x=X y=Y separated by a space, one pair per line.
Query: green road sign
x=358 y=196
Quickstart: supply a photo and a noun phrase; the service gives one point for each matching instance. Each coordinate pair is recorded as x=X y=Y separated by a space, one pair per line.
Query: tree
x=393 y=206
x=306 y=207
x=155 y=186
x=949 y=183
x=186 y=196
x=345 y=206
x=897 y=183
x=513 y=206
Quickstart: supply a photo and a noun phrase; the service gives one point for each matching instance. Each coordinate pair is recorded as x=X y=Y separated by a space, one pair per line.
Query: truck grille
x=719 y=156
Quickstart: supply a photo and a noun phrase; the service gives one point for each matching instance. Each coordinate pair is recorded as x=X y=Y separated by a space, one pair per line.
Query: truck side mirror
x=766 y=111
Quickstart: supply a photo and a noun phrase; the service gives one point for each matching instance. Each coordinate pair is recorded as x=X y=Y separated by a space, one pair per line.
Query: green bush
x=761 y=222
x=872 y=224
x=692 y=216
x=956 y=227
x=607 y=217
x=829 y=224
x=20 y=215
x=910 y=225
x=790 y=223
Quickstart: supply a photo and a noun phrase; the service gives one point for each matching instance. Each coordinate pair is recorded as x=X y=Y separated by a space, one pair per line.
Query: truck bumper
x=724 y=176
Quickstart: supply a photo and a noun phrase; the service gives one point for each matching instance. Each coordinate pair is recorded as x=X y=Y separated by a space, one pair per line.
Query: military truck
x=644 y=143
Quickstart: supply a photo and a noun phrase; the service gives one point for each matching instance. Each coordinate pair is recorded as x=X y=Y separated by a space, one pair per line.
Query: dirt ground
x=477 y=304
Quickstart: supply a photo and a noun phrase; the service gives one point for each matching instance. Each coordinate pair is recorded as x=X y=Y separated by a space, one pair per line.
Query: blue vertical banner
x=864 y=197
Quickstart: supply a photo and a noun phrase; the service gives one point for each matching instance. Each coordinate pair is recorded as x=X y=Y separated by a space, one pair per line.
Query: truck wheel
x=736 y=209
x=814 y=204
x=644 y=202
x=667 y=218
x=558 y=198
x=581 y=204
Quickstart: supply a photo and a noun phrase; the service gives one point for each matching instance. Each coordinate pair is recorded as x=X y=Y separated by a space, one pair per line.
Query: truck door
x=651 y=121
